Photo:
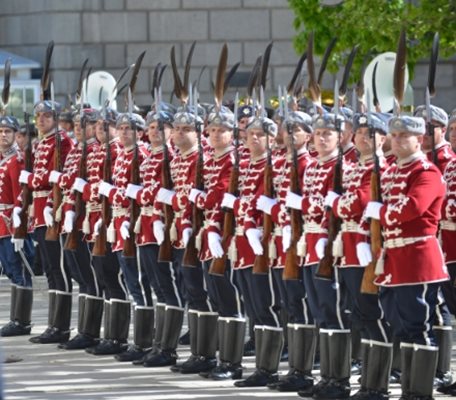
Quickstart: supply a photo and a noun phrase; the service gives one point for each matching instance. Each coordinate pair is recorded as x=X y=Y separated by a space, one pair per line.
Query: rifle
x=292 y=269
x=71 y=242
x=190 y=258
x=99 y=247
x=367 y=284
x=218 y=265
x=129 y=244
x=261 y=263
x=26 y=194
x=52 y=232
x=325 y=268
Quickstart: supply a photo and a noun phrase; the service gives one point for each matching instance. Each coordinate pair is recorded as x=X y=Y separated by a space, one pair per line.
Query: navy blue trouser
x=410 y=310
x=263 y=295
x=12 y=262
x=325 y=299
x=298 y=307
x=223 y=291
x=136 y=279
x=366 y=310
x=52 y=259
x=148 y=257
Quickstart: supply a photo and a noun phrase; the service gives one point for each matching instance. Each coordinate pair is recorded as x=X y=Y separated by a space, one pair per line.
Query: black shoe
x=395 y=376
x=310 y=392
x=335 y=389
x=162 y=359
x=132 y=353
x=79 y=342
x=15 y=328
x=449 y=389
x=177 y=367
x=146 y=355
x=443 y=379
x=223 y=372
x=184 y=340
x=356 y=367
x=249 y=348
x=107 y=347
x=53 y=335
x=258 y=378
x=294 y=382
x=369 y=394
x=199 y=364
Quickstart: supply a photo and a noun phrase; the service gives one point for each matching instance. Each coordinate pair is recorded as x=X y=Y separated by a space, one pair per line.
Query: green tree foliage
x=375 y=26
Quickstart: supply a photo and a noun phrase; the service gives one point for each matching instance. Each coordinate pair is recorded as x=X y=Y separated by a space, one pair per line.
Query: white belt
x=147 y=211
x=313 y=227
x=41 y=193
x=4 y=207
x=277 y=231
x=402 y=242
x=119 y=212
x=448 y=225
x=239 y=231
x=93 y=207
x=350 y=226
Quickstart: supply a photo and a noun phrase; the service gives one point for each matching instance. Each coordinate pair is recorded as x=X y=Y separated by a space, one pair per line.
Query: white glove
x=23 y=177
x=79 y=185
x=215 y=244
x=373 y=209
x=364 y=253
x=159 y=231
x=105 y=188
x=165 y=196
x=194 y=193
x=17 y=217
x=68 y=223
x=54 y=176
x=48 y=218
x=125 y=230
x=265 y=204
x=293 y=200
x=228 y=200
x=186 y=233
x=286 y=237
x=18 y=244
x=320 y=247
x=97 y=227
x=254 y=238
x=331 y=198
x=132 y=190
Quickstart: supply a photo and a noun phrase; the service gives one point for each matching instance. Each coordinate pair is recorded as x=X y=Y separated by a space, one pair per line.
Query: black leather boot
x=74 y=343
x=406 y=367
x=444 y=338
x=192 y=320
x=424 y=365
x=20 y=312
x=365 y=346
x=142 y=337
x=51 y=308
x=172 y=326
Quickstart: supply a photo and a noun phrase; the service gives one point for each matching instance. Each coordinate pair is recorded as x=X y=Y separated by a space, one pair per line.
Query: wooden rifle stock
x=53 y=232
x=71 y=242
x=190 y=258
x=325 y=268
x=100 y=246
x=26 y=195
x=367 y=284
x=292 y=268
x=129 y=244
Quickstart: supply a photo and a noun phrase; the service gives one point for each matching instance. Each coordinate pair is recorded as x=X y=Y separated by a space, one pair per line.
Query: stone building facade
x=112 y=33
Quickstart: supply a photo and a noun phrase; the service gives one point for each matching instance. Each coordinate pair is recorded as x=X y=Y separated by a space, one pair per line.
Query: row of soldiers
x=412 y=270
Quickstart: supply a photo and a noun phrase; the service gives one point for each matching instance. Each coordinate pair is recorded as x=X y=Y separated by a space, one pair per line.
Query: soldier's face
x=184 y=136
x=7 y=138
x=242 y=125
x=300 y=137
x=439 y=134
x=154 y=134
x=21 y=140
x=44 y=121
x=364 y=143
x=220 y=137
x=347 y=134
x=66 y=126
x=404 y=144
x=126 y=135
x=452 y=135
x=256 y=142
x=325 y=141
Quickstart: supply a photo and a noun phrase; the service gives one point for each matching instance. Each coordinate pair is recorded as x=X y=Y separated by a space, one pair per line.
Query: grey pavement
x=48 y=373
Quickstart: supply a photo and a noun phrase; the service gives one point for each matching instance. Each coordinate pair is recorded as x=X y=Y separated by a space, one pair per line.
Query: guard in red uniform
x=324 y=296
x=257 y=289
x=59 y=311
x=301 y=327
x=13 y=263
x=413 y=260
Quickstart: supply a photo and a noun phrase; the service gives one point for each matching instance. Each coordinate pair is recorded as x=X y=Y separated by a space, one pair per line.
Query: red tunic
x=120 y=203
x=448 y=222
x=444 y=155
x=350 y=207
x=43 y=164
x=350 y=153
x=412 y=195
x=11 y=165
